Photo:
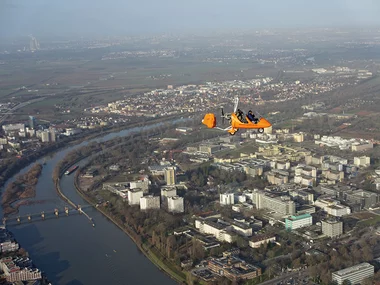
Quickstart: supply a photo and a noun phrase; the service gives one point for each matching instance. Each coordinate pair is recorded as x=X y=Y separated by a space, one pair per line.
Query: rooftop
x=299 y=217
x=353 y=269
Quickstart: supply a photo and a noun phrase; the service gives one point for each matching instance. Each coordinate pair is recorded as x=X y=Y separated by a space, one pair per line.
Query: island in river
x=23 y=187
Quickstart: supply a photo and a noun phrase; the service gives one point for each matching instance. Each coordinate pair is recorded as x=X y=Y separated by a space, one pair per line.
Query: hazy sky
x=118 y=17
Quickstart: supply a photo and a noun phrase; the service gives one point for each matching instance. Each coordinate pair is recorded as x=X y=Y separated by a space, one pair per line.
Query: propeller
x=225 y=116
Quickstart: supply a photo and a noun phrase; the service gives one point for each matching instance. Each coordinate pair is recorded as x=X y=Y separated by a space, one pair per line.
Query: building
x=168 y=191
x=13 y=128
x=134 y=196
x=209 y=149
x=45 y=136
x=362 y=161
x=14 y=273
x=332 y=228
x=142 y=183
x=280 y=204
x=227 y=199
x=176 y=204
x=149 y=202
x=219 y=229
x=355 y=274
x=169 y=175
x=53 y=135
x=258 y=240
x=295 y=222
x=32 y=122
x=362 y=146
x=233 y=268
x=242 y=229
x=332 y=207
x=120 y=188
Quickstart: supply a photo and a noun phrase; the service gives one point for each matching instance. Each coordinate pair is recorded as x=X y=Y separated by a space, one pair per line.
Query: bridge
x=44 y=215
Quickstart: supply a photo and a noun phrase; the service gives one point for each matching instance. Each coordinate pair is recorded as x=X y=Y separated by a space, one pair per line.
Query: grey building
x=332 y=228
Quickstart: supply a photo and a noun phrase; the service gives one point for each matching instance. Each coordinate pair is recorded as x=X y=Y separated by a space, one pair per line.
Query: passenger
x=252 y=117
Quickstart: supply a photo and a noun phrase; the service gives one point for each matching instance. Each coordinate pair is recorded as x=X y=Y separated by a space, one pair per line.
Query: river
x=68 y=249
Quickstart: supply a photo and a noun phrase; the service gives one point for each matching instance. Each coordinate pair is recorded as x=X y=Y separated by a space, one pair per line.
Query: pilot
x=240 y=116
x=252 y=117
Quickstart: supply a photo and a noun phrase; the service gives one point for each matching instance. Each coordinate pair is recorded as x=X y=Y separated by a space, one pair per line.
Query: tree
x=271 y=270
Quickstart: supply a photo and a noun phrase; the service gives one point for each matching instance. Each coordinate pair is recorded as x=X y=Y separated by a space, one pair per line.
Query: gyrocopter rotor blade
x=236 y=102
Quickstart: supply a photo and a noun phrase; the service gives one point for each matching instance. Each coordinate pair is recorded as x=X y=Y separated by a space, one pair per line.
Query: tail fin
x=209 y=120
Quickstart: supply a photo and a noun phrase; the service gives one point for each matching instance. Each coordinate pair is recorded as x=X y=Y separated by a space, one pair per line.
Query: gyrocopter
x=238 y=120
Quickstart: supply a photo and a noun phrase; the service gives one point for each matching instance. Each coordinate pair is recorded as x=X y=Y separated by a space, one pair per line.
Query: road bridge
x=44 y=215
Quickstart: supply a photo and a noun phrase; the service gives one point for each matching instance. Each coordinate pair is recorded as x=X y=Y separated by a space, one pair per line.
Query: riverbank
x=13 y=167
x=145 y=248
x=22 y=188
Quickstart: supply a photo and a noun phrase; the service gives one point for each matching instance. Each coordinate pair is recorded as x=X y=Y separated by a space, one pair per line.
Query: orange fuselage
x=261 y=124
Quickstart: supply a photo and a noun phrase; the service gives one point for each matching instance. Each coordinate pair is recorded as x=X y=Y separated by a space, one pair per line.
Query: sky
x=132 y=17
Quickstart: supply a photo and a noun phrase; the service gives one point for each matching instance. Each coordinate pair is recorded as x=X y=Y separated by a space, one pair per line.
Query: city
x=103 y=118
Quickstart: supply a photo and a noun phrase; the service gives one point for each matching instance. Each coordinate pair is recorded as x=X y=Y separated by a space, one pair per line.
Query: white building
x=134 y=196
x=13 y=128
x=45 y=136
x=149 y=202
x=218 y=230
x=242 y=229
x=142 y=183
x=362 y=161
x=168 y=191
x=176 y=204
x=280 y=204
x=258 y=240
x=354 y=274
x=332 y=207
x=227 y=199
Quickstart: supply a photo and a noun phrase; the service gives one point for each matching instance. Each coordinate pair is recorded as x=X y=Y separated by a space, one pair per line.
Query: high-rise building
x=34 y=44
x=32 y=122
x=45 y=136
x=169 y=175
x=168 y=191
x=134 y=196
x=354 y=274
x=175 y=204
x=149 y=202
x=227 y=199
x=332 y=228
x=53 y=136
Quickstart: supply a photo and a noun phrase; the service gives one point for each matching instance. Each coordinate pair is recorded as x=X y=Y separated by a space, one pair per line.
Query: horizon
x=86 y=18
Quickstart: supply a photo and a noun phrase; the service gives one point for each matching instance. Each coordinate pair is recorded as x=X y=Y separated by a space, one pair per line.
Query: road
x=19 y=106
x=299 y=275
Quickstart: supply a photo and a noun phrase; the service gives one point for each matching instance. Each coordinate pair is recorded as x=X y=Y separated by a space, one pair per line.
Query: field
x=76 y=80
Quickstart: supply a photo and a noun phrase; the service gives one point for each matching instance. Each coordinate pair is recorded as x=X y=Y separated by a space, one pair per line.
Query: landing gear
x=260 y=130
x=232 y=131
